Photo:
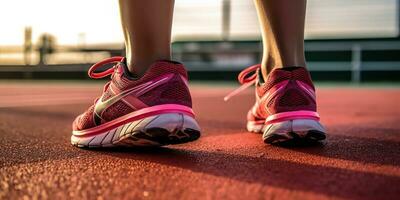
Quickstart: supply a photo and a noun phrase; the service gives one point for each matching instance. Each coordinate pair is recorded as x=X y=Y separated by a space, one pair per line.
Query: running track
x=360 y=160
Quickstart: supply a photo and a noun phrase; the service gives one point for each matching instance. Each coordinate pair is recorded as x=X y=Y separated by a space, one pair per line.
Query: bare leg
x=282 y=26
x=147 y=30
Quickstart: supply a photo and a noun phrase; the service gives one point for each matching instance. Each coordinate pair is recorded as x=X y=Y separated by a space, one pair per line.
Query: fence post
x=356 y=64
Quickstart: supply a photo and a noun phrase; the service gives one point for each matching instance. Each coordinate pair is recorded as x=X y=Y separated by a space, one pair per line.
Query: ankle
x=271 y=62
x=139 y=66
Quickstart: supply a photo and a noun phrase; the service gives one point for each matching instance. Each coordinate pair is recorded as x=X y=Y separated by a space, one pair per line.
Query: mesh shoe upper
x=285 y=90
x=165 y=82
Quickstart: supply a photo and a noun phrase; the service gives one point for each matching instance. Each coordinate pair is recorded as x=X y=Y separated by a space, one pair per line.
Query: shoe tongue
x=123 y=68
x=260 y=77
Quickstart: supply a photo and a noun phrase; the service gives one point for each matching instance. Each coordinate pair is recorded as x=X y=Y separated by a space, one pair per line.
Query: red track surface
x=359 y=160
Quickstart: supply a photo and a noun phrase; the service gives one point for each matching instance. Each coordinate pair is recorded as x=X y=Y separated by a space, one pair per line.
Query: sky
x=99 y=21
x=64 y=18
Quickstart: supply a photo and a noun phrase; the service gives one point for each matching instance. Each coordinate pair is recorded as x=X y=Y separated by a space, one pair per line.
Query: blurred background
x=352 y=41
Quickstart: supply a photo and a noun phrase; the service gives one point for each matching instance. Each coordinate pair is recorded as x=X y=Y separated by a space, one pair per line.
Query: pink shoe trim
x=134 y=102
x=284 y=116
x=275 y=90
x=136 y=115
x=310 y=91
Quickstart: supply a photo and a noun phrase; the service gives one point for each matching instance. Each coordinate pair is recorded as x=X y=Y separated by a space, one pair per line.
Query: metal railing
x=356 y=65
x=355 y=50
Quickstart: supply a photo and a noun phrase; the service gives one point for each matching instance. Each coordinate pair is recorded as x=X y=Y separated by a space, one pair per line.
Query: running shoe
x=285 y=107
x=151 y=110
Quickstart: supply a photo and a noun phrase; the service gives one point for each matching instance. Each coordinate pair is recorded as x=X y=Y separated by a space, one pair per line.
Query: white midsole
x=170 y=122
x=300 y=126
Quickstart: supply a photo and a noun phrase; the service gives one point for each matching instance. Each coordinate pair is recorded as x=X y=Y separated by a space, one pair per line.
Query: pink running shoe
x=285 y=107
x=151 y=110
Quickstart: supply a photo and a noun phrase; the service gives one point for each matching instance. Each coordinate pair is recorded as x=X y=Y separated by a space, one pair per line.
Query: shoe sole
x=305 y=130
x=157 y=130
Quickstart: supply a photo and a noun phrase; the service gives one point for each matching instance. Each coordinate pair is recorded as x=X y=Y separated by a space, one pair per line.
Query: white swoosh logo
x=101 y=106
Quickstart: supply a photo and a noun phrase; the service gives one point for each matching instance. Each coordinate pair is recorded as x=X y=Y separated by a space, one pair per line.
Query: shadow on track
x=366 y=150
x=329 y=181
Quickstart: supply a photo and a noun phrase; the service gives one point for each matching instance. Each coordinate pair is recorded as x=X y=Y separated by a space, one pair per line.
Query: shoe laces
x=97 y=75
x=246 y=78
